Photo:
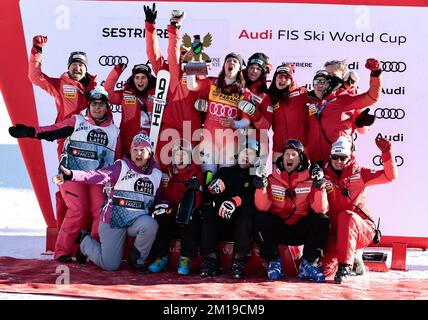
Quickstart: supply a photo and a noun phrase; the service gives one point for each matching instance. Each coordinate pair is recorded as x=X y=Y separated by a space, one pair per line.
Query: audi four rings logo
x=393 y=66
x=377 y=160
x=220 y=110
x=116 y=108
x=389 y=113
x=112 y=60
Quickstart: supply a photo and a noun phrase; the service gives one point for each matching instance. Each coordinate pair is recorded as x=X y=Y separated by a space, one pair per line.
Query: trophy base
x=196 y=68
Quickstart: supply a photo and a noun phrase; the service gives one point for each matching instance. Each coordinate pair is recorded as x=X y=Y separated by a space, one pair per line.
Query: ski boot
x=359 y=268
x=209 y=267
x=310 y=271
x=274 y=269
x=342 y=273
x=238 y=268
x=160 y=264
x=184 y=264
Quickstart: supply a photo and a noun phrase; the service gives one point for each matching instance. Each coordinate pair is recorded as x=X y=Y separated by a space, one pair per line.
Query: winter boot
x=310 y=271
x=210 y=267
x=160 y=264
x=359 y=268
x=82 y=234
x=184 y=264
x=342 y=273
x=274 y=269
x=238 y=268
x=80 y=257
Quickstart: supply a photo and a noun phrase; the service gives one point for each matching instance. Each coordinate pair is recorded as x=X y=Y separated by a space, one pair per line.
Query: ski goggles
x=294 y=144
x=320 y=81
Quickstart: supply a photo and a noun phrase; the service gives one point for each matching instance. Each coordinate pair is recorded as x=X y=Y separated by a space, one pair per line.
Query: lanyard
x=322 y=108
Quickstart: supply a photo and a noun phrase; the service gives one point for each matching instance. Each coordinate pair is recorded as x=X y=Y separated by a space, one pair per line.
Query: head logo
x=389 y=113
x=393 y=66
x=112 y=60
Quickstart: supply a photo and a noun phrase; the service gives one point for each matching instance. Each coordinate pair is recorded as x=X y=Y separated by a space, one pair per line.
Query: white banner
x=305 y=34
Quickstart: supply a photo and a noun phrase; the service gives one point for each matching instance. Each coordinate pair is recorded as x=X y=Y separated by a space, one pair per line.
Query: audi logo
x=221 y=110
x=115 y=108
x=393 y=66
x=377 y=160
x=112 y=60
x=389 y=113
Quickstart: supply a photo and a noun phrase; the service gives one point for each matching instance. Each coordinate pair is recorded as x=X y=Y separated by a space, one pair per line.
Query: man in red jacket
x=352 y=227
x=331 y=113
x=294 y=204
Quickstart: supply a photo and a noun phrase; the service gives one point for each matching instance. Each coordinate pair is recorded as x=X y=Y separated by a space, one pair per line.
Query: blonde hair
x=339 y=65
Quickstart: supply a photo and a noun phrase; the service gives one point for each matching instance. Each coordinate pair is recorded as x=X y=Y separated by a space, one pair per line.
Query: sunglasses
x=337 y=157
x=316 y=81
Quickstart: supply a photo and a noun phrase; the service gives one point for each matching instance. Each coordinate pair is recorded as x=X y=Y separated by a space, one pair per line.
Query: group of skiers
x=216 y=186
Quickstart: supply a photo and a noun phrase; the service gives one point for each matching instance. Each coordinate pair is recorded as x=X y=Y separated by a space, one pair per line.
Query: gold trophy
x=195 y=60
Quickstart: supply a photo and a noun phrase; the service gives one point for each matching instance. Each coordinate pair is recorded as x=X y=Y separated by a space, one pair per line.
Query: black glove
x=150 y=13
x=22 y=131
x=67 y=173
x=260 y=182
x=365 y=119
x=192 y=184
x=317 y=175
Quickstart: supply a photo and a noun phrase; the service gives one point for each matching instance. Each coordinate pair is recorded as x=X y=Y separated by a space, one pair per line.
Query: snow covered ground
x=22 y=227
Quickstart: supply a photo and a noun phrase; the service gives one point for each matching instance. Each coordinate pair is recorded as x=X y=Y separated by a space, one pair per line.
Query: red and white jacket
x=355 y=179
x=291 y=196
x=134 y=119
x=69 y=94
x=334 y=115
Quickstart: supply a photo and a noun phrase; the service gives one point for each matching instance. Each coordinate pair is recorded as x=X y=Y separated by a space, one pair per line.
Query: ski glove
x=150 y=13
x=39 y=42
x=216 y=186
x=383 y=144
x=120 y=67
x=22 y=131
x=66 y=173
x=228 y=207
x=365 y=119
x=260 y=180
x=317 y=175
x=162 y=208
x=177 y=17
x=247 y=107
x=201 y=105
x=374 y=66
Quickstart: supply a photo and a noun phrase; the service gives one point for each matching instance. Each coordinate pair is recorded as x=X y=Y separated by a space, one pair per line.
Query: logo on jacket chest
x=70 y=92
x=144 y=186
x=129 y=99
x=312 y=109
x=98 y=136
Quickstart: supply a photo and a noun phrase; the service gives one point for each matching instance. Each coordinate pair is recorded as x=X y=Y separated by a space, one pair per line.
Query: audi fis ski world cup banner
x=112 y=32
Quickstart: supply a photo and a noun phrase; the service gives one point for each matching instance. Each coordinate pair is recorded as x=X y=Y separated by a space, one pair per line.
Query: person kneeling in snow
x=135 y=192
x=352 y=228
